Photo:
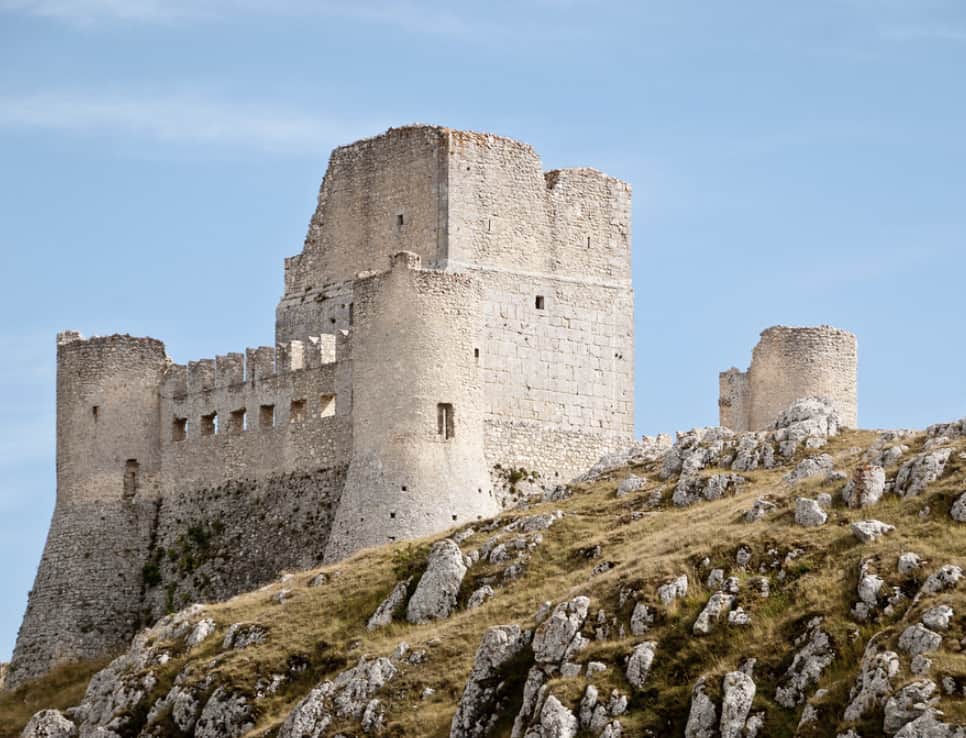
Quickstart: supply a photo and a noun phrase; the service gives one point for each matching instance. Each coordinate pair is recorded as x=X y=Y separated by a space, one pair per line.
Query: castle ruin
x=788 y=364
x=456 y=313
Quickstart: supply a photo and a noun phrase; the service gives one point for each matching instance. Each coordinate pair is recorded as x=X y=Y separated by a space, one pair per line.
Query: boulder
x=243 y=635
x=908 y=704
x=938 y=618
x=866 y=486
x=630 y=485
x=810 y=467
x=200 y=633
x=225 y=715
x=49 y=724
x=556 y=721
x=947 y=577
x=928 y=725
x=958 y=511
x=918 y=472
x=703 y=716
x=639 y=663
x=673 y=590
x=867 y=531
x=873 y=686
x=391 y=606
x=719 y=604
x=558 y=637
x=809 y=513
x=435 y=595
x=738 y=692
x=761 y=508
x=485 y=689
x=918 y=639
x=641 y=619
x=479 y=596
x=908 y=563
x=815 y=654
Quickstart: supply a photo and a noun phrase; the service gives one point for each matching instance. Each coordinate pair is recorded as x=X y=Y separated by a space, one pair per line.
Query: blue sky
x=796 y=163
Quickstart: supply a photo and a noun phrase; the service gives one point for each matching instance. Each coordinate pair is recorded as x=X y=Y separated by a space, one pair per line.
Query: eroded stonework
x=456 y=315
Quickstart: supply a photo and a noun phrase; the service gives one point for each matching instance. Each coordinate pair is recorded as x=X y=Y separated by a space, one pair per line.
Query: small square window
x=179 y=429
x=296 y=411
x=209 y=424
x=326 y=406
x=539 y=302
x=239 y=421
x=266 y=417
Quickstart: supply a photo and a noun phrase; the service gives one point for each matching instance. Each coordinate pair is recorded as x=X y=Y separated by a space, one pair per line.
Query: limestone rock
x=908 y=563
x=715 y=579
x=947 y=577
x=691 y=489
x=718 y=605
x=938 y=618
x=761 y=508
x=202 y=630
x=808 y=422
x=225 y=715
x=866 y=486
x=918 y=639
x=182 y=705
x=908 y=704
x=243 y=635
x=958 y=510
x=809 y=513
x=639 y=664
x=641 y=619
x=810 y=467
x=534 y=523
x=815 y=654
x=630 y=484
x=737 y=695
x=391 y=606
x=478 y=707
x=874 y=682
x=674 y=590
x=918 y=472
x=49 y=724
x=649 y=449
x=928 y=725
x=435 y=595
x=556 y=721
x=867 y=531
x=703 y=716
x=479 y=596
x=739 y=617
x=558 y=637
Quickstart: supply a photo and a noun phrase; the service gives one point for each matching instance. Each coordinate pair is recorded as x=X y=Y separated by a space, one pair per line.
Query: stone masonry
x=456 y=312
x=788 y=364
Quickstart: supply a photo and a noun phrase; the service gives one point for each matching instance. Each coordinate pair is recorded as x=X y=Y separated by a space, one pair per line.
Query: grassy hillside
x=317 y=631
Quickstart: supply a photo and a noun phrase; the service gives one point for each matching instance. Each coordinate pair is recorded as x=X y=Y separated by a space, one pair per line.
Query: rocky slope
x=798 y=582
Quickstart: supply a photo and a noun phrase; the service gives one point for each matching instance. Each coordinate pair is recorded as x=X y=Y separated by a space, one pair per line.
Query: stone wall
x=788 y=364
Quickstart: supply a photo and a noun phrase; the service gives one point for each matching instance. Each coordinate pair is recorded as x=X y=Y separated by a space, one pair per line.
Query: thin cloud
x=924 y=33
x=176 y=119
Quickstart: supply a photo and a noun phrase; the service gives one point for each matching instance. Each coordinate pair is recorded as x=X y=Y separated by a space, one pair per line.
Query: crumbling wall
x=786 y=365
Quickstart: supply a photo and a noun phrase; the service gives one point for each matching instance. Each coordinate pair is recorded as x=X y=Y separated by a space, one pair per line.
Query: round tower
x=791 y=363
x=86 y=597
x=417 y=463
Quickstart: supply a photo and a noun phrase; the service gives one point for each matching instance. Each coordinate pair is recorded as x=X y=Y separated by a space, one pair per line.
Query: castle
x=457 y=318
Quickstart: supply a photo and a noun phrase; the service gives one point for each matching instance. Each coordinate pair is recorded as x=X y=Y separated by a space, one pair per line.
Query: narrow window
x=266 y=417
x=400 y=220
x=296 y=411
x=476 y=354
x=351 y=314
x=209 y=424
x=489 y=225
x=179 y=429
x=239 y=423
x=445 y=425
x=95 y=411
x=539 y=302
x=588 y=241
x=130 y=477
x=326 y=406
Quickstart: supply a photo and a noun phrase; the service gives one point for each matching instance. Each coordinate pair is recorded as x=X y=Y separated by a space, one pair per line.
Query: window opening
x=445 y=425
x=179 y=429
x=131 y=477
x=209 y=424
x=400 y=220
x=539 y=302
x=95 y=411
x=296 y=411
x=266 y=417
x=326 y=406
x=239 y=421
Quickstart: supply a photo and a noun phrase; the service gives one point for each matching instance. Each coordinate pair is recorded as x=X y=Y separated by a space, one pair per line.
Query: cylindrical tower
x=417 y=463
x=86 y=597
x=791 y=363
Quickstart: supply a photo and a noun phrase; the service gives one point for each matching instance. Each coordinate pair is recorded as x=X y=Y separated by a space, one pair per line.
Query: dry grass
x=323 y=629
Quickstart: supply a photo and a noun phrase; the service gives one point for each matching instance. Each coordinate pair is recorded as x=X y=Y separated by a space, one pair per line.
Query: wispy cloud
x=956 y=34
x=177 y=119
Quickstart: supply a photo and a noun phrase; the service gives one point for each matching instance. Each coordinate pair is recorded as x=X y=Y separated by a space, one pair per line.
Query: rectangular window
x=400 y=220
x=131 y=477
x=179 y=429
x=539 y=302
x=266 y=417
x=326 y=406
x=296 y=411
x=95 y=411
x=351 y=314
x=239 y=421
x=209 y=424
x=445 y=422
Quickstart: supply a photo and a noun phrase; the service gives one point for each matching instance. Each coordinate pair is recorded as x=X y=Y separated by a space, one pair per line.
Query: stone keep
x=786 y=365
x=456 y=312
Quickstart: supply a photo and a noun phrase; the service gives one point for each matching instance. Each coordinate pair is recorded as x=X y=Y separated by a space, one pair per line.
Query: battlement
x=789 y=363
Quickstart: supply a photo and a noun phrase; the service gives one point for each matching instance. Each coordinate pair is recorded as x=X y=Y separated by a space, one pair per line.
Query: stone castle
x=457 y=318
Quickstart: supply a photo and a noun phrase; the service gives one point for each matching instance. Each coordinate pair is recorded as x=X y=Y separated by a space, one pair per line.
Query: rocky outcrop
x=918 y=639
x=703 y=716
x=716 y=607
x=674 y=590
x=49 y=724
x=558 y=637
x=486 y=690
x=815 y=654
x=738 y=693
x=866 y=486
x=958 y=511
x=813 y=466
x=556 y=721
x=867 y=531
x=435 y=595
x=874 y=683
x=908 y=704
x=226 y=715
x=916 y=474
x=929 y=725
x=390 y=607
x=809 y=513
x=639 y=664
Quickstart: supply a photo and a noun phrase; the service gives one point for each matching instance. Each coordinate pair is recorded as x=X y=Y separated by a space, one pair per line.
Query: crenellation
x=455 y=310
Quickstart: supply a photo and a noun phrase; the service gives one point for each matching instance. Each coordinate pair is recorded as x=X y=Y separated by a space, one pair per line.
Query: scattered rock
x=318 y=580
x=225 y=715
x=391 y=606
x=918 y=472
x=49 y=724
x=479 y=596
x=243 y=635
x=917 y=639
x=908 y=704
x=738 y=694
x=674 y=590
x=435 y=595
x=874 y=682
x=909 y=563
x=641 y=619
x=639 y=663
x=739 y=617
x=703 y=716
x=867 y=531
x=815 y=654
x=958 y=510
x=718 y=605
x=929 y=726
x=947 y=577
x=630 y=484
x=938 y=618
x=534 y=523
x=761 y=508
x=485 y=691
x=809 y=513
x=558 y=637
x=810 y=467
x=866 y=486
